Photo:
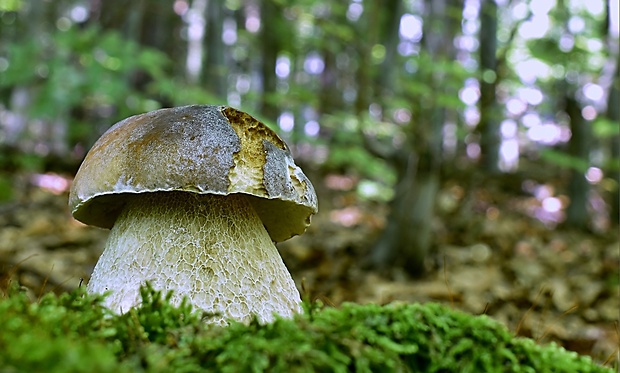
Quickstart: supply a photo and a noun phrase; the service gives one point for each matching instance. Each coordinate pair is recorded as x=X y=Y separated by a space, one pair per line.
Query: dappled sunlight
x=546 y=133
x=594 y=175
x=509 y=155
x=347 y=217
x=312 y=128
x=410 y=27
x=283 y=67
x=286 y=121
x=314 y=64
x=550 y=208
x=51 y=182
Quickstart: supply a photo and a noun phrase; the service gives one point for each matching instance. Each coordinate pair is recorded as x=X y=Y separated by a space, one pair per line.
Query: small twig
x=445 y=278
x=610 y=358
x=542 y=288
x=44 y=283
x=55 y=288
x=486 y=308
x=326 y=300
x=548 y=328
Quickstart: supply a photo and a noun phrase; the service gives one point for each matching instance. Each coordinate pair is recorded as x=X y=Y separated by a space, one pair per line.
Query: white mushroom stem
x=212 y=249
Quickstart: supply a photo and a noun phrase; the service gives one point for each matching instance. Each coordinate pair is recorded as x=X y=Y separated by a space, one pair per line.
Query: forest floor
x=490 y=256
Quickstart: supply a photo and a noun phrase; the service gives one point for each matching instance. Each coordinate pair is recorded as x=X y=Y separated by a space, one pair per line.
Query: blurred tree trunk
x=613 y=113
x=579 y=146
x=406 y=239
x=119 y=15
x=381 y=26
x=329 y=95
x=19 y=98
x=51 y=134
x=363 y=76
x=392 y=12
x=151 y=24
x=271 y=34
x=9 y=26
x=214 y=70
x=489 y=109
x=330 y=98
x=161 y=29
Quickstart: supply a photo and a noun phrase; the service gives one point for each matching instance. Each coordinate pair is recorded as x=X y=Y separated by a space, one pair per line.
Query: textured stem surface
x=212 y=249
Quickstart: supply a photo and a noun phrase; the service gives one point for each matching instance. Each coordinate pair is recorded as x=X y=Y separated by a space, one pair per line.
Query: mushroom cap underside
x=200 y=149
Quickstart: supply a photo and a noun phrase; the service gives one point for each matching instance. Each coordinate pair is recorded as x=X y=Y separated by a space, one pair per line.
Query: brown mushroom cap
x=197 y=149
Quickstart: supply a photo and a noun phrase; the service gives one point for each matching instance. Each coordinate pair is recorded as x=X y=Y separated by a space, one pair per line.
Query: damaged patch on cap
x=247 y=175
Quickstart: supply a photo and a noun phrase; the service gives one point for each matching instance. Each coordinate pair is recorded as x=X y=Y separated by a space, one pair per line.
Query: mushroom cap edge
x=201 y=149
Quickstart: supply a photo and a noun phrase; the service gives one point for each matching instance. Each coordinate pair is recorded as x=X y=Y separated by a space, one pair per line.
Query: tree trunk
x=19 y=99
x=613 y=113
x=578 y=187
x=215 y=67
x=161 y=29
x=393 y=10
x=407 y=238
x=329 y=95
x=270 y=38
x=363 y=75
x=489 y=110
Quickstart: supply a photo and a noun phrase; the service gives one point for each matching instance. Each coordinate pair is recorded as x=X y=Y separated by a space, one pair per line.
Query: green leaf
x=605 y=128
x=10 y=5
x=565 y=160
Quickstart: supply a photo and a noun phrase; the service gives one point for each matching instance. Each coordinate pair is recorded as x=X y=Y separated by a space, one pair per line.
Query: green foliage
x=181 y=93
x=45 y=335
x=604 y=128
x=6 y=187
x=376 y=191
x=348 y=152
x=13 y=159
x=548 y=51
x=74 y=333
x=431 y=71
x=355 y=157
x=10 y=5
x=82 y=71
x=563 y=159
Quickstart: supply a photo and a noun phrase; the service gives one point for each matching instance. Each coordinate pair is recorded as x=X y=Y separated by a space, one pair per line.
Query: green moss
x=74 y=333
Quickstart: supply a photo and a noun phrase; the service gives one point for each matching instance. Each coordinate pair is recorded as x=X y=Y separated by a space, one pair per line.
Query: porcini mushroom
x=195 y=198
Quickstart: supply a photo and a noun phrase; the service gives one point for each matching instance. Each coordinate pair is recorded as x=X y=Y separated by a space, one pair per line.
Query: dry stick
x=326 y=300
x=542 y=288
x=44 y=284
x=55 y=288
x=486 y=308
x=610 y=358
x=15 y=268
x=44 y=281
x=445 y=278
x=545 y=316
x=307 y=294
x=548 y=328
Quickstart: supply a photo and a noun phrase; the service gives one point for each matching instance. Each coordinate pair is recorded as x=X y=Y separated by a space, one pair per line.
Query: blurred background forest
x=465 y=152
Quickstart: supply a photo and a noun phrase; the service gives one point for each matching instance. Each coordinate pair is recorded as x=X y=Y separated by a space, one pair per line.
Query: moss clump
x=75 y=333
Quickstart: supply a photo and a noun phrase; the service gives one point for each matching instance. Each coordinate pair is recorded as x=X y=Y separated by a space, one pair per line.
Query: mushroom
x=195 y=197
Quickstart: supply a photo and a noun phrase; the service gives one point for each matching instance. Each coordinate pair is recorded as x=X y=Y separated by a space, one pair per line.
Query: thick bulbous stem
x=212 y=249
